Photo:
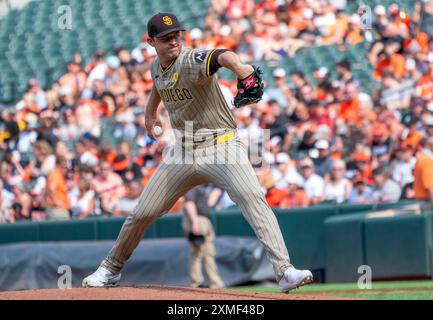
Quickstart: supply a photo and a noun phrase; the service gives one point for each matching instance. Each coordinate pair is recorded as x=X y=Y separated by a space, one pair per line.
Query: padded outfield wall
x=331 y=240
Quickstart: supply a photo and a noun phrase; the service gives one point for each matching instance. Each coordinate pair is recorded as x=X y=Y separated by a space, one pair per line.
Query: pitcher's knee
x=143 y=216
x=247 y=195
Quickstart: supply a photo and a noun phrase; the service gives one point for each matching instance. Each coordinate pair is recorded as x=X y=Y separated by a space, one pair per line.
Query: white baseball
x=157 y=130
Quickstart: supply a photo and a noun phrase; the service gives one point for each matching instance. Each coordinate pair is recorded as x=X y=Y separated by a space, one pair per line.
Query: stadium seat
x=110 y=23
x=30 y=37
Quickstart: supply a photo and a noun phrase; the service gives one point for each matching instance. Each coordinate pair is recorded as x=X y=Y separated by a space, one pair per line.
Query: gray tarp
x=161 y=261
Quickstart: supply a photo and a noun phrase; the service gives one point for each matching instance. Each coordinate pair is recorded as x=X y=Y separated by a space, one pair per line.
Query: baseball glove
x=196 y=240
x=250 y=89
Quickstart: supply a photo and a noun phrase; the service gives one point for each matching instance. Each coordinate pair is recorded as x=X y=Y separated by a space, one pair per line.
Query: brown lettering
x=186 y=93
x=179 y=94
x=173 y=96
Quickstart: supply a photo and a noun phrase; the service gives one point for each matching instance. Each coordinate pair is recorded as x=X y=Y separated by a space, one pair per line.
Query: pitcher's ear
x=150 y=41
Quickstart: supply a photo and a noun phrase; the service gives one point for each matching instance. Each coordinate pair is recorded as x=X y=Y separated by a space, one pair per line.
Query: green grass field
x=400 y=290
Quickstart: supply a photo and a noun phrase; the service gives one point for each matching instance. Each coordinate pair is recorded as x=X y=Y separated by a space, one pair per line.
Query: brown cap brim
x=165 y=32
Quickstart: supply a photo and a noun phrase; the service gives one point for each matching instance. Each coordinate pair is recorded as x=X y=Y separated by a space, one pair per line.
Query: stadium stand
x=329 y=96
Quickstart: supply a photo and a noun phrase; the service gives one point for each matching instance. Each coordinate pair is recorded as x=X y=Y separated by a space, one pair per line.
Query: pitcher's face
x=167 y=47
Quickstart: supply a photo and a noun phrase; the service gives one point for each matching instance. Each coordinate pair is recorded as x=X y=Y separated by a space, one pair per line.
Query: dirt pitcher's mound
x=152 y=293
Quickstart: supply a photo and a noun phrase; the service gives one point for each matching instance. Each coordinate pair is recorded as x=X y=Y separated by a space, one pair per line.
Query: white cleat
x=101 y=278
x=294 y=278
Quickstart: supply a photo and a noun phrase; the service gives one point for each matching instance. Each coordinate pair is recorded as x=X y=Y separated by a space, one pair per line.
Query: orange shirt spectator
x=425 y=87
x=264 y=6
x=421 y=40
x=187 y=38
x=321 y=94
x=274 y=196
x=177 y=207
x=413 y=138
x=26 y=174
x=227 y=43
x=396 y=63
x=354 y=37
x=27 y=105
x=367 y=174
x=295 y=199
x=297 y=18
x=336 y=154
x=147 y=176
x=107 y=154
x=362 y=160
x=423 y=177
x=211 y=42
x=110 y=157
x=337 y=31
x=349 y=110
x=57 y=191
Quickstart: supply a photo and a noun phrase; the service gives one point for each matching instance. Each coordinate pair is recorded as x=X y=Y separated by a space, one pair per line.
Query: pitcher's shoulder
x=186 y=54
x=154 y=66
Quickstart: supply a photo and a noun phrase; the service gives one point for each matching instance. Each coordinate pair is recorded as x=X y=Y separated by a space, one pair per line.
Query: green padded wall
x=344 y=247
x=398 y=204
x=326 y=238
x=169 y=226
x=233 y=224
x=108 y=229
x=68 y=230
x=19 y=232
x=399 y=246
x=354 y=208
x=304 y=235
x=213 y=216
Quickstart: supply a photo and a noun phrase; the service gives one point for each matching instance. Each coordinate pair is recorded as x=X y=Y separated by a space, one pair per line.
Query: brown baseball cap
x=163 y=23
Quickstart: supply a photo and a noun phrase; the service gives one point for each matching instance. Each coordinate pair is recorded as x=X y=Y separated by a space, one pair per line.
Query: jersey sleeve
x=202 y=64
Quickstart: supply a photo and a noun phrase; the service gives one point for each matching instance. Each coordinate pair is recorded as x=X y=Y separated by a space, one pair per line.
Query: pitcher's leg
x=167 y=184
x=236 y=175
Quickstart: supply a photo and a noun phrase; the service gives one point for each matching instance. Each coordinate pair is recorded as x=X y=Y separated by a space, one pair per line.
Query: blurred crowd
x=79 y=148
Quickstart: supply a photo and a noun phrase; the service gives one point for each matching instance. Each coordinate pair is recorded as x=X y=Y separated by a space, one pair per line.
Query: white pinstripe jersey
x=189 y=93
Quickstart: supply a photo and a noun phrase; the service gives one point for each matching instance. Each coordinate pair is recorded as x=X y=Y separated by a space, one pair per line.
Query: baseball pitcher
x=207 y=149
